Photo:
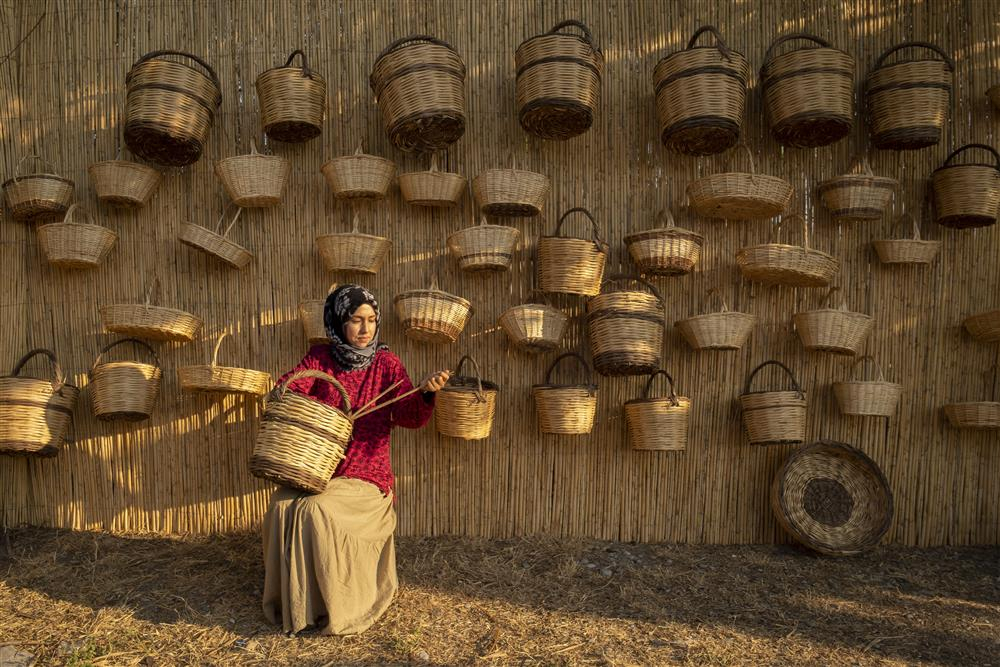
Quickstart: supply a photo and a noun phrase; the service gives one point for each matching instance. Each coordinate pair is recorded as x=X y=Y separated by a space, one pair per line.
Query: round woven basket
x=907 y=251
x=510 y=193
x=419 y=84
x=301 y=440
x=909 y=100
x=722 y=330
x=311 y=318
x=558 y=82
x=572 y=265
x=123 y=183
x=808 y=92
x=125 y=390
x=37 y=196
x=76 y=245
x=625 y=328
x=701 y=94
x=292 y=101
x=977 y=415
x=967 y=195
x=658 y=423
x=170 y=107
x=832 y=498
x=484 y=247
x=150 y=322
x=465 y=406
x=215 y=244
x=665 y=251
x=432 y=188
x=874 y=398
x=839 y=331
x=566 y=409
x=984 y=327
x=359 y=176
x=254 y=180
x=35 y=413
x=431 y=315
x=792 y=265
x=857 y=196
x=216 y=379
x=353 y=252
x=534 y=327
x=735 y=195
x=774 y=417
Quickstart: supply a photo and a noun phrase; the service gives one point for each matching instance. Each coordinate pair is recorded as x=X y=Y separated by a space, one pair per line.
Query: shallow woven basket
x=907 y=251
x=76 y=245
x=432 y=188
x=534 y=327
x=978 y=415
x=566 y=409
x=701 y=94
x=215 y=243
x=572 y=265
x=832 y=498
x=465 y=406
x=808 y=92
x=735 y=195
x=558 y=83
x=431 y=315
x=984 y=327
x=857 y=196
x=311 y=318
x=723 y=330
x=419 y=84
x=665 y=251
x=125 y=390
x=658 y=423
x=792 y=265
x=909 y=100
x=254 y=180
x=359 y=176
x=874 y=398
x=353 y=252
x=150 y=322
x=35 y=413
x=625 y=328
x=839 y=331
x=967 y=195
x=216 y=379
x=123 y=183
x=292 y=101
x=37 y=196
x=484 y=247
x=774 y=417
x=170 y=107
x=301 y=440
x=510 y=192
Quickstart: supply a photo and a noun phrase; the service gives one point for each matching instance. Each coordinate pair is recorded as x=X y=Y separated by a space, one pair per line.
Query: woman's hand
x=435 y=381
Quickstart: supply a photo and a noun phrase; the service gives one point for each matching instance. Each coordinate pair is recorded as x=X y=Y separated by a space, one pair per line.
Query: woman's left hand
x=435 y=381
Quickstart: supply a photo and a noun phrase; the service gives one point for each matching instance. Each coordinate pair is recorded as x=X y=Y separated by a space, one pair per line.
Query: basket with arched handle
x=774 y=417
x=658 y=423
x=35 y=413
x=566 y=409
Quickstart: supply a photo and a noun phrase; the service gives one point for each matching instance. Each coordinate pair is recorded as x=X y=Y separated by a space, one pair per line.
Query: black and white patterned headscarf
x=340 y=306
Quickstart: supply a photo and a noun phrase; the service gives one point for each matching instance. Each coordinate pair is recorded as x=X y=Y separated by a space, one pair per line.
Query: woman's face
x=360 y=329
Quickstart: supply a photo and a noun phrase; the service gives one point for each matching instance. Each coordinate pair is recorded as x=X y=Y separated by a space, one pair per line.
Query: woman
x=329 y=559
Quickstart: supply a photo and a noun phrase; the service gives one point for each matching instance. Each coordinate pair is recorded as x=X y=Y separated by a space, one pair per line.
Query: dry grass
x=78 y=599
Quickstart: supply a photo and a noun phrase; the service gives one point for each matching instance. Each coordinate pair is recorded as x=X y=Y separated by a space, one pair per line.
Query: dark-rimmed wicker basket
x=125 y=390
x=466 y=405
x=39 y=195
x=35 y=413
x=907 y=251
x=566 y=409
x=774 y=417
x=659 y=423
x=572 y=265
x=858 y=195
x=967 y=195
x=292 y=101
x=625 y=328
x=665 y=251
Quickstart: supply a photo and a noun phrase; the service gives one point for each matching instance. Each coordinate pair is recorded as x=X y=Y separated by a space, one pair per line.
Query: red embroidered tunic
x=367 y=455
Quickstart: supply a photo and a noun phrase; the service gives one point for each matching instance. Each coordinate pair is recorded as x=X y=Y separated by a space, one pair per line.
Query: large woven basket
x=38 y=195
x=431 y=315
x=170 y=107
x=432 y=188
x=774 y=417
x=976 y=415
x=808 y=92
x=875 y=398
x=658 y=423
x=254 y=180
x=465 y=406
x=292 y=101
x=909 y=100
x=123 y=183
x=301 y=440
x=558 y=82
x=76 y=245
x=839 y=331
x=353 y=252
x=216 y=379
x=701 y=93
x=792 y=265
x=510 y=192
x=859 y=195
x=665 y=251
x=907 y=251
x=832 y=498
x=419 y=84
x=534 y=327
x=215 y=243
x=359 y=176
x=572 y=265
x=35 y=413
x=984 y=327
x=967 y=195
x=311 y=319
x=125 y=390
x=566 y=409
x=625 y=328
x=722 y=330
x=484 y=247
x=735 y=195
x=150 y=322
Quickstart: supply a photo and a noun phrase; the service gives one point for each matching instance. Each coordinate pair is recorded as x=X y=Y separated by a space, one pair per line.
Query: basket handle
x=829 y=295
x=666 y=217
x=355 y=227
x=805 y=228
x=434 y=163
x=60 y=378
x=222 y=218
x=908 y=216
x=480 y=396
x=720 y=43
x=772 y=362
x=215 y=350
x=573 y=23
x=135 y=341
x=564 y=355
x=670 y=380
x=75 y=208
x=793 y=36
x=37 y=158
x=413 y=38
x=718 y=295
x=535 y=293
x=185 y=54
x=985 y=147
x=624 y=277
x=319 y=375
x=868 y=357
x=306 y=72
x=596 y=231
x=749 y=153
x=860 y=165
x=915 y=45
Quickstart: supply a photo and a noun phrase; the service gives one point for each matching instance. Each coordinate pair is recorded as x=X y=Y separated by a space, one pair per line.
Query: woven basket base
x=123 y=416
x=908 y=138
x=511 y=210
x=551 y=118
x=75 y=263
x=38 y=211
x=485 y=266
x=967 y=221
x=150 y=142
x=811 y=130
x=150 y=333
x=536 y=345
x=292 y=131
x=785 y=277
x=25 y=448
x=257 y=201
x=284 y=475
x=426 y=334
x=847 y=351
x=703 y=135
x=674 y=268
x=769 y=443
x=122 y=202
x=617 y=363
x=427 y=131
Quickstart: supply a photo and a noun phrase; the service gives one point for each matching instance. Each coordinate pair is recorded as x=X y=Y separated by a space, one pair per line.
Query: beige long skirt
x=329 y=559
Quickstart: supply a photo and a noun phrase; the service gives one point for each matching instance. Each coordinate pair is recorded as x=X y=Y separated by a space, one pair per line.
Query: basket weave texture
x=35 y=413
x=566 y=409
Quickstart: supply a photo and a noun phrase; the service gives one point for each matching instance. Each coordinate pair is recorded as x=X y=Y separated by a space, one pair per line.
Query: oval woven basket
x=216 y=379
x=734 y=195
x=124 y=184
x=839 y=331
x=465 y=406
x=967 y=195
x=484 y=247
x=722 y=330
x=975 y=415
x=774 y=417
x=625 y=328
x=792 y=265
x=432 y=188
x=665 y=251
x=311 y=319
x=353 y=252
x=35 y=413
x=292 y=101
x=431 y=315
x=907 y=251
x=37 y=196
x=76 y=245
x=984 y=327
x=510 y=193
x=125 y=390
x=254 y=180
x=868 y=398
x=572 y=265
x=215 y=244
x=534 y=327
x=658 y=423
x=150 y=322
x=359 y=176
x=832 y=498
x=566 y=409
x=857 y=196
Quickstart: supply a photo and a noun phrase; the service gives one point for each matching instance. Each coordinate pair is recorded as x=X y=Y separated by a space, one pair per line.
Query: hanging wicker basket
x=873 y=398
x=292 y=101
x=465 y=406
x=975 y=415
x=722 y=330
x=907 y=251
x=353 y=252
x=658 y=424
x=150 y=322
x=254 y=180
x=566 y=409
x=984 y=327
x=665 y=251
x=572 y=265
x=432 y=188
x=76 y=245
x=359 y=176
x=170 y=107
x=625 y=328
x=839 y=331
x=701 y=94
x=510 y=193
x=774 y=417
x=311 y=319
x=792 y=265
x=123 y=183
x=39 y=195
x=216 y=379
x=215 y=243
x=484 y=247
x=967 y=195
x=735 y=195
x=534 y=327
x=431 y=315
x=858 y=196
x=125 y=390
x=35 y=413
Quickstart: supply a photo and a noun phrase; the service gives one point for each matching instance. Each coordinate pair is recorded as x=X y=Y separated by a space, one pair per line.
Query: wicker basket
x=839 y=331
x=150 y=322
x=874 y=398
x=701 y=94
x=465 y=406
x=432 y=188
x=572 y=265
x=35 y=413
x=254 y=180
x=792 y=265
x=735 y=195
x=353 y=252
x=625 y=328
x=37 y=196
x=665 y=251
x=223 y=379
x=432 y=316
x=215 y=243
x=359 y=176
x=484 y=247
x=76 y=245
x=510 y=192
x=419 y=83
x=832 y=498
x=984 y=327
x=722 y=330
x=774 y=417
x=292 y=101
x=977 y=415
x=123 y=183
x=858 y=196
x=125 y=390
x=311 y=319
x=534 y=327
x=658 y=424
x=908 y=101
x=558 y=82
x=907 y=251
x=301 y=440
x=566 y=409
x=808 y=92
x=967 y=195
x=169 y=108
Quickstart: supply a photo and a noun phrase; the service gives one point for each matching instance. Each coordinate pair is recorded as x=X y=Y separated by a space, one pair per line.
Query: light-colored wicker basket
x=150 y=322
x=839 y=331
x=311 y=319
x=359 y=176
x=875 y=398
x=353 y=252
x=216 y=379
x=977 y=415
x=465 y=406
x=658 y=423
x=254 y=180
x=774 y=417
x=967 y=195
x=76 y=245
x=510 y=192
x=432 y=188
x=665 y=251
x=534 y=327
x=215 y=244
x=431 y=315
x=792 y=265
x=566 y=409
x=859 y=195
x=484 y=247
x=572 y=265
x=735 y=195
x=123 y=183
x=907 y=251
x=35 y=413
x=625 y=328
x=292 y=101
x=37 y=196
x=722 y=330
x=125 y=390
x=984 y=327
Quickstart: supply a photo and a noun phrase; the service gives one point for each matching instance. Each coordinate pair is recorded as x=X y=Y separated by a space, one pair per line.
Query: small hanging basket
x=223 y=379
x=572 y=265
x=625 y=328
x=76 y=245
x=292 y=101
x=311 y=318
x=37 y=196
x=466 y=404
x=359 y=176
x=858 y=196
x=660 y=423
x=665 y=251
x=432 y=188
x=484 y=247
x=839 y=331
x=907 y=251
x=35 y=413
x=792 y=265
x=967 y=195
x=124 y=184
x=774 y=417
x=566 y=409
x=150 y=322
x=254 y=180
x=510 y=193
x=984 y=327
x=873 y=398
x=431 y=315
x=215 y=243
x=534 y=327
x=301 y=440
x=735 y=195
x=975 y=415
x=125 y=390
x=353 y=252
x=722 y=330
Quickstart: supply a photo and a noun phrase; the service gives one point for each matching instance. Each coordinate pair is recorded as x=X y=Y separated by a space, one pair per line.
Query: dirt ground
x=69 y=598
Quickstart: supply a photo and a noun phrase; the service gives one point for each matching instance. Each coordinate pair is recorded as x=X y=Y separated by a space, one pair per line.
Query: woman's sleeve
x=415 y=410
x=302 y=385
